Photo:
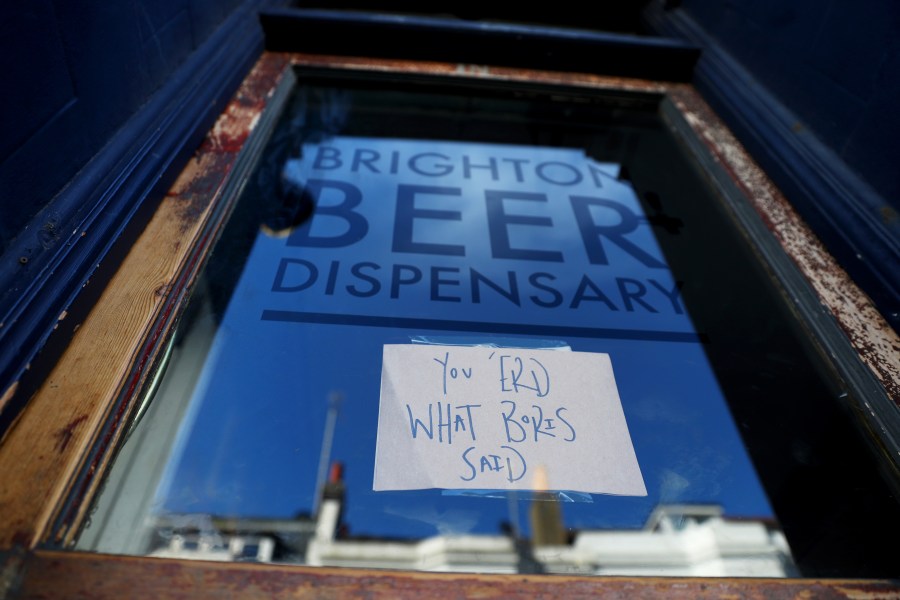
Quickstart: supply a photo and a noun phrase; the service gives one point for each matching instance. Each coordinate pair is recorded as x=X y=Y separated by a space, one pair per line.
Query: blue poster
x=484 y=234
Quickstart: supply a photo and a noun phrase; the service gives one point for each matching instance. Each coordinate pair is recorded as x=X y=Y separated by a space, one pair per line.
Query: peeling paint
x=870 y=335
x=204 y=176
x=64 y=435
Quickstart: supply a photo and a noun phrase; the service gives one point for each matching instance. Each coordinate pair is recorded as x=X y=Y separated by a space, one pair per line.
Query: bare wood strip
x=108 y=358
x=47 y=446
x=75 y=575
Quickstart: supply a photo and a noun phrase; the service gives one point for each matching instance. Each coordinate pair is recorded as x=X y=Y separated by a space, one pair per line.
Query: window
x=698 y=392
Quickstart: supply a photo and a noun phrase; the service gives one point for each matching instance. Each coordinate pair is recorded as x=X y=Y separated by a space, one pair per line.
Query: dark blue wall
x=834 y=63
x=103 y=103
x=74 y=73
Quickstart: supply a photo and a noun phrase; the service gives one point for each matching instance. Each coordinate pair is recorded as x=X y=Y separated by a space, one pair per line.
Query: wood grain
x=75 y=575
x=96 y=383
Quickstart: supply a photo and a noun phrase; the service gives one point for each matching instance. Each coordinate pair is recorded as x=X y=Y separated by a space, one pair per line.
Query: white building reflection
x=677 y=540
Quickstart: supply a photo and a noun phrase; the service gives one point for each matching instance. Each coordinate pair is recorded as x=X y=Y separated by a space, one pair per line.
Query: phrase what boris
x=523 y=423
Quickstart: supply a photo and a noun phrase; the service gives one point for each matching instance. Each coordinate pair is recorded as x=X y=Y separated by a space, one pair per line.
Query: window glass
x=508 y=219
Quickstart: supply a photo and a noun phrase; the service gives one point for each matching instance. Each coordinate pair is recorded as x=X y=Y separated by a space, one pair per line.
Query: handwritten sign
x=456 y=417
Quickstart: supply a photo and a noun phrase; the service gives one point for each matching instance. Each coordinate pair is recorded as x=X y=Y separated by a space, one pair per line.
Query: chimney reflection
x=546 y=516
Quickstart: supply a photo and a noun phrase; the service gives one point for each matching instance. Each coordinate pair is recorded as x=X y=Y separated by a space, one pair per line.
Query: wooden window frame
x=53 y=459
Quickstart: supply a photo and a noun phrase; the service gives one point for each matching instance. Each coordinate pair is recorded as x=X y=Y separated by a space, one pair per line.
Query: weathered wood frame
x=54 y=457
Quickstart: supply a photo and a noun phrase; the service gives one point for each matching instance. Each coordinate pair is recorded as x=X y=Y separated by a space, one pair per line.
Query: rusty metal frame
x=57 y=452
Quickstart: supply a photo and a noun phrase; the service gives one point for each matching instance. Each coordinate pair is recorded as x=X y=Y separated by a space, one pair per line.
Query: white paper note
x=462 y=417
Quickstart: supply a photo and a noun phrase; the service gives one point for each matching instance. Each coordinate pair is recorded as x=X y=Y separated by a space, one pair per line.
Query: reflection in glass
x=375 y=218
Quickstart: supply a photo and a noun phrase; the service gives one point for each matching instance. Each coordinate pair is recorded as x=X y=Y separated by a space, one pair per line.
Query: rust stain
x=64 y=435
x=200 y=184
x=573 y=79
x=8 y=393
x=21 y=538
x=493 y=73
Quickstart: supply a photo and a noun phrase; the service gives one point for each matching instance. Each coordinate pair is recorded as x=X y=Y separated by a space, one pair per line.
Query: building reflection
x=676 y=540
